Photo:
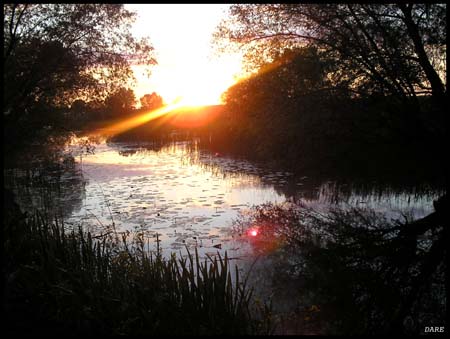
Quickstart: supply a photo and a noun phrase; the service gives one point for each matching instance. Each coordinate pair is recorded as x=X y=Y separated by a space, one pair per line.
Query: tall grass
x=68 y=282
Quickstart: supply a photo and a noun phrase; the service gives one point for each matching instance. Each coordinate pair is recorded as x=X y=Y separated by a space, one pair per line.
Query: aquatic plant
x=60 y=282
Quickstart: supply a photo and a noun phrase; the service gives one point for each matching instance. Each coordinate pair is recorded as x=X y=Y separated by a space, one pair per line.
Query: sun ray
x=127 y=124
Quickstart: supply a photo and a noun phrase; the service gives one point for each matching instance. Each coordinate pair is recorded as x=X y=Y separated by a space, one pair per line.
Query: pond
x=190 y=197
x=181 y=196
x=186 y=196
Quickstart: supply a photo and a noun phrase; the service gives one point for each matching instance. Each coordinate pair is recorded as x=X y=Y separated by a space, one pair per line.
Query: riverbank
x=369 y=138
x=365 y=138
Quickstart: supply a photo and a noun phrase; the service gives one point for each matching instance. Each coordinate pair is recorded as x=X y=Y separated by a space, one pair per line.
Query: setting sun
x=187 y=72
x=201 y=84
x=204 y=84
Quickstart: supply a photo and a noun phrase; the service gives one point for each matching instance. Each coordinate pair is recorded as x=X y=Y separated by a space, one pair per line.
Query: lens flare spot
x=253 y=232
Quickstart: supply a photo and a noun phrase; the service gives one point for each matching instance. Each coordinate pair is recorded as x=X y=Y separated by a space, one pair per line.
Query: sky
x=187 y=68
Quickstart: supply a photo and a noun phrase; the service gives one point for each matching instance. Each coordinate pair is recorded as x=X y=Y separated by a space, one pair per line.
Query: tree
x=151 y=101
x=120 y=103
x=278 y=107
x=384 y=50
x=434 y=35
x=55 y=54
x=377 y=48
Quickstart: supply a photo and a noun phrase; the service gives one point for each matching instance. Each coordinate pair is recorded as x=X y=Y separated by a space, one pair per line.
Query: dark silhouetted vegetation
x=338 y=87
x=71 y=283
x=388 y=49
x=151 y=101
x=57 y=54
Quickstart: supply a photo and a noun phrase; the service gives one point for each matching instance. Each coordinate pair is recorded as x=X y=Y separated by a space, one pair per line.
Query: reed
x=69 y=282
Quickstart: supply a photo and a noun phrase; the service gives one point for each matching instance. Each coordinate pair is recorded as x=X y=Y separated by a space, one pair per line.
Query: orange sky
x=187 y=68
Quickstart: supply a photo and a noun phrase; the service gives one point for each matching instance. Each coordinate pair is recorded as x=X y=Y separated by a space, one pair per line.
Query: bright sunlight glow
x=136 y=121
x=187 y=72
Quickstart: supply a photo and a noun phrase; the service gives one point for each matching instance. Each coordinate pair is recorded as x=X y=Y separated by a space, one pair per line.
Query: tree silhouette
x=120 y=103
x=374 y=76
x=55 y=54
x=377 y=48
x=151 y=101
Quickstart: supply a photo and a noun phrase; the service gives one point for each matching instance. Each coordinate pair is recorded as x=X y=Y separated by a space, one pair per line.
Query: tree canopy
x=329 y=80
x=151 y=101
x=389 y=49
x=55 y=54
x=121 y=101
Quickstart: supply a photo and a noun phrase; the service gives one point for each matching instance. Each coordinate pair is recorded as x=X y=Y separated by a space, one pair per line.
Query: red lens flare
x=253 y=232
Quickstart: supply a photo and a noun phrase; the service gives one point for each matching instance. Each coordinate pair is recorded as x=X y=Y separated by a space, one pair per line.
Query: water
x=187 y=197
x=190 y=197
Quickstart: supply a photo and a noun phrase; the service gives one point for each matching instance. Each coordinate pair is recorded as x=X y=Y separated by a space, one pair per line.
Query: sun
x=201 y=91
x=188 y=66
x=200 y=83
x=203 y=84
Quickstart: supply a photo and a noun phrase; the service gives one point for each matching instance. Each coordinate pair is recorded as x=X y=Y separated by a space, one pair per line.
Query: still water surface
x=190 y=197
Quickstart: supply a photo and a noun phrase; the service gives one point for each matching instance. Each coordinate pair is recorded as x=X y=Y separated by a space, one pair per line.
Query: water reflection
x=190 y=196
x=55 y=189
x=167 y=191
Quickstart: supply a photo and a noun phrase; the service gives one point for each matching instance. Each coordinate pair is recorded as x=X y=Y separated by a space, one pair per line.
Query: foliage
x=267 y=111
x=337 y=81
x=376 y=48
x=151 y=101
x=60 y=282
x=120 y=103
x=55 y=54
x=291 y=113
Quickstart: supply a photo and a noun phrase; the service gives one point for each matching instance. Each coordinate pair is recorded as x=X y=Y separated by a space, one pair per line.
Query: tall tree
x=57 y=53
x=377 y=48
x=120 y=103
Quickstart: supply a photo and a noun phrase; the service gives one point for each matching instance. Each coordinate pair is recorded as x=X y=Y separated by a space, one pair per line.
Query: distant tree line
x=118 y=105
